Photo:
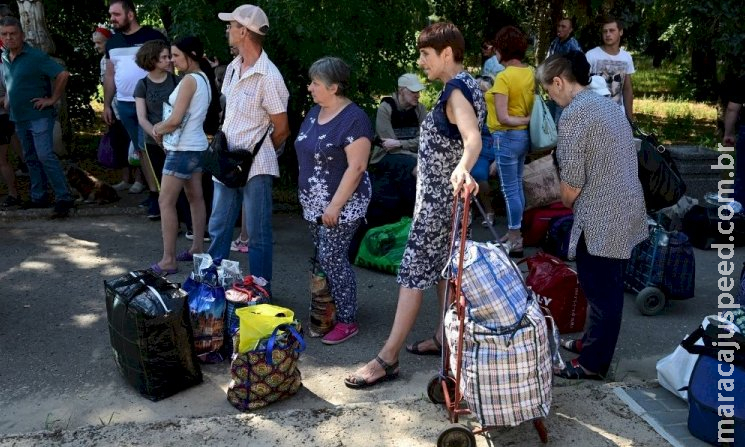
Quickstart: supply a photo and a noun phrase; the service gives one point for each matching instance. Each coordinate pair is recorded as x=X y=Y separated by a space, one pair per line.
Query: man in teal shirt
x=35 y=82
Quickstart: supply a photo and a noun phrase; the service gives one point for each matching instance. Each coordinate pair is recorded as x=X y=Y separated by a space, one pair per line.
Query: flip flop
x=574 y=346
x=414 y=349
x=573 y=371
x=185 y=256
x=158 y=270
x=358 y=383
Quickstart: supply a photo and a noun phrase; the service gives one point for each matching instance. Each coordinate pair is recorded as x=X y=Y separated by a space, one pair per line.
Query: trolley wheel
x=434 y=389
x=650 y=301
x=456 y=435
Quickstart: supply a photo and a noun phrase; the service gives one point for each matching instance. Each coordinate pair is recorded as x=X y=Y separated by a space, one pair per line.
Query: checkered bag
x=505 y=378
x=665 y=260
x=494 y=291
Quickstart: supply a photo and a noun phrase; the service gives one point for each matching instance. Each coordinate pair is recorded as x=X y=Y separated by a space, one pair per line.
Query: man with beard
x=122 y=73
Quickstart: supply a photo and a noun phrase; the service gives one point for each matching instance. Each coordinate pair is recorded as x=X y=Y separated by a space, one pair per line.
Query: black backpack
x=212 y=121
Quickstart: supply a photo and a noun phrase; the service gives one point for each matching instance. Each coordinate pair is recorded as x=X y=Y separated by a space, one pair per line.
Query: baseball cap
x=410 y=81
x=599 y=86
x=250 y=16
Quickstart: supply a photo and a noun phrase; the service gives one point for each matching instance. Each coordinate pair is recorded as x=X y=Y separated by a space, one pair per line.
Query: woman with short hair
x=449 y=144
x=599 y=181
x=509 y=103
x=333 y=146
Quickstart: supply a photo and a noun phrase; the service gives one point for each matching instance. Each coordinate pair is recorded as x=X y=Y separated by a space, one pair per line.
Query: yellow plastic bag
x=257 y=322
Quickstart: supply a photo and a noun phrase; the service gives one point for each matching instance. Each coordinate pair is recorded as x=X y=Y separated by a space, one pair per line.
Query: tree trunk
x=34 y=24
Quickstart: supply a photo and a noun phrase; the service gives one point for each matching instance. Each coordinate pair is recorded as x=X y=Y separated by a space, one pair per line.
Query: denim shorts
x=182 y=164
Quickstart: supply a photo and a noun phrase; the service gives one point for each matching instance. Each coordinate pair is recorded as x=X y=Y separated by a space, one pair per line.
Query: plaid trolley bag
x=661 y=268
x=496 y=352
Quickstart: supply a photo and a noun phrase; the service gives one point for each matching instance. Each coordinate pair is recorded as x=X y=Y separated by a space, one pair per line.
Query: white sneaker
x=239 y=245
x=136 y=188
x=121 y=186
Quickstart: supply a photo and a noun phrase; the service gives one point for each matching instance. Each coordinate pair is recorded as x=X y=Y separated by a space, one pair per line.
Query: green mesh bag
x=383 y=247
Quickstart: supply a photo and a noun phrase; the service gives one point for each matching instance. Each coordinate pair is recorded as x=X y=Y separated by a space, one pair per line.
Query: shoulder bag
x=542 y=128
x=661 y=181
x=231 y=168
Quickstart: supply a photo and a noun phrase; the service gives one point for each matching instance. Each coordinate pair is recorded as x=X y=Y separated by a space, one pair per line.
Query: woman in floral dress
x=449 y=145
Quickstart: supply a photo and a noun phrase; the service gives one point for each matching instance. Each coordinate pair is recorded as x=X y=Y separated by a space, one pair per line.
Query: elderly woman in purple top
x=333 y=146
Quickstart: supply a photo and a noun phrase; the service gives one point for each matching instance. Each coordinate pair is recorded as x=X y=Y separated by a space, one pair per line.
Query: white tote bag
x=674 y=370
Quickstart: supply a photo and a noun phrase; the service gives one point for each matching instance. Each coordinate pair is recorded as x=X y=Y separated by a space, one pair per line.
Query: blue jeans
x=480 y=170
x=44 y=168
x=128 y=117
x=256 y=197
x=602 y=281
x=510 y=148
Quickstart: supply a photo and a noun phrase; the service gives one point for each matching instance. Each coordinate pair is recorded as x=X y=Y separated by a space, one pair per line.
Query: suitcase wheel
x=456 y=435
x=650 y=301
x=435 y=392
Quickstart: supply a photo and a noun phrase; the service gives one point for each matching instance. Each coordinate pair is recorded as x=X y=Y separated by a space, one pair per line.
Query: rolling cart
x=661 y=268
x=496 y=362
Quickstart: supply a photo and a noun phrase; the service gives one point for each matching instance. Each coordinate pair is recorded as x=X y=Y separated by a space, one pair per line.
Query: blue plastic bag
x=207 y=313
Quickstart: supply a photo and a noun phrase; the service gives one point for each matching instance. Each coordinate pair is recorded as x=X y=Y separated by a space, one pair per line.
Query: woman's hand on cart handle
x=463 y=181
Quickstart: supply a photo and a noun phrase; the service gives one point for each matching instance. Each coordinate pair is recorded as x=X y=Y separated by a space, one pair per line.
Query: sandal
x=573 y=371
x=158 y=270
x=414 y=349
x=185 y=256
x=357 y=382
x=574 y=346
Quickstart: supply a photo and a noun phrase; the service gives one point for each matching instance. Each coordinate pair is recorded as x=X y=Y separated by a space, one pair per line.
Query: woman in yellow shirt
x=509 y=104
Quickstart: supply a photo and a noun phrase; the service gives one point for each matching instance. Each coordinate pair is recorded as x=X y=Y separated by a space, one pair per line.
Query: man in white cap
x=394 y=155
x=398 y=120
x=256 y=103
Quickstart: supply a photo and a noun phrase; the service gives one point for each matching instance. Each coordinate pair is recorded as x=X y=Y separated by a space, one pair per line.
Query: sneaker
x=36 y=204
x=121 y=186
x=153 y=210
x=10 y=202
x=340 y=333
x=145 y=203
x=239 y=245
x=62 y=209
x=489 y=221
x=136 y=188
x=515 y=247
x=190 y=235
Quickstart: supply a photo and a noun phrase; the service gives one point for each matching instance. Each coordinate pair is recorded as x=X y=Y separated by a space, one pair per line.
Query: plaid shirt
x=250 y=100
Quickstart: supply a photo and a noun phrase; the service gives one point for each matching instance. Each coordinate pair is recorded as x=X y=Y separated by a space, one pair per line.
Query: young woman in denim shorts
x=184 y=140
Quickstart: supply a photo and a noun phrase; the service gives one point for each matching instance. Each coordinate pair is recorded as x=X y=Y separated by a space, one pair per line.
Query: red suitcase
x=536 y=222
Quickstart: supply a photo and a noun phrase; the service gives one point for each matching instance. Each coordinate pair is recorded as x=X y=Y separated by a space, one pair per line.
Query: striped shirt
x=250 y=100
x=596 y=154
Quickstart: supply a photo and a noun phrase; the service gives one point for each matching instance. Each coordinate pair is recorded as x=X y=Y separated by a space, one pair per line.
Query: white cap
x=250 y=16
x=411 y=82
x=599 y=86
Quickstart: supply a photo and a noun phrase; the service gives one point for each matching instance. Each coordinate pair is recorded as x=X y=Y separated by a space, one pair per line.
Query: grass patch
x=661 y=105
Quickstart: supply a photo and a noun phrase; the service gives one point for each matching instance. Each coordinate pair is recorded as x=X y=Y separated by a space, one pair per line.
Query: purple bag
x=113 y=147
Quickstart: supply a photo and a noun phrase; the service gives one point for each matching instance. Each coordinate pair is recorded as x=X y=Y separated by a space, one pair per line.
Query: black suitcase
x=702 y=225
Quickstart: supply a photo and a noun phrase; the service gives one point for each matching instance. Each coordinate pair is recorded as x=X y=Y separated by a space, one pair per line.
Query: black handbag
x=661 y=181
x=231 y=168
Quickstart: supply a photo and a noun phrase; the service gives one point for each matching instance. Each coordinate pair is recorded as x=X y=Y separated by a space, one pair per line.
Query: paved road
x=58 y=371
